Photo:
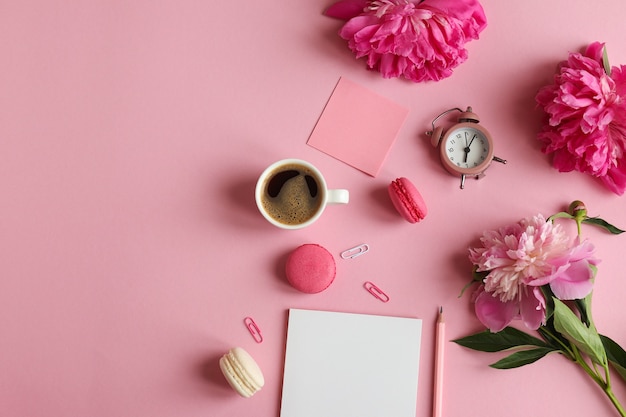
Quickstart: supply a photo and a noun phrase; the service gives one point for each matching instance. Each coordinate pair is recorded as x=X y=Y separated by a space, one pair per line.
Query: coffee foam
x=294 y=204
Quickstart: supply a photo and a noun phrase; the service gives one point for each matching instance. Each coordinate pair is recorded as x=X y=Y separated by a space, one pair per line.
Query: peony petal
x=575 y=282
x=470 y=11
x=388 y=67
x=615 y=179
x=419 y=41
x=493 y=313
x=563 y=161
x=595 y=51
x=533 y=308
x=357 y=24
x=346 y=9
x=585 y=127
x=583 y=251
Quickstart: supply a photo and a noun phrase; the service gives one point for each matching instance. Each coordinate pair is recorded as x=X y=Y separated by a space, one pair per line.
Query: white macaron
x=242 y=372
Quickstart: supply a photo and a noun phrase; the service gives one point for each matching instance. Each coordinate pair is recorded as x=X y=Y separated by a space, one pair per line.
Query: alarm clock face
x=466 y=149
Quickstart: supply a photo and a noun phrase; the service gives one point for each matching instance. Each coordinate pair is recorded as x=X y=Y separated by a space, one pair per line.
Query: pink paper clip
x=376 y=292
x=355 y=251
x=253 y=329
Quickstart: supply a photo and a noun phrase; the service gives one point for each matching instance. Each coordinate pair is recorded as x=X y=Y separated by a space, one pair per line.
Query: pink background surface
x=131 y=136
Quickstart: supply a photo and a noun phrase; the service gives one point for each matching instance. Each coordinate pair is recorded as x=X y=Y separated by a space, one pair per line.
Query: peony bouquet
x=585 y=124
x=419 y=40
x=533 y=271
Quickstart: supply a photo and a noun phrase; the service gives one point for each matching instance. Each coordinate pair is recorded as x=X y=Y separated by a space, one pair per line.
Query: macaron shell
x=407 y=200
x=242 y=372
x=233 y=379
x=310 y=268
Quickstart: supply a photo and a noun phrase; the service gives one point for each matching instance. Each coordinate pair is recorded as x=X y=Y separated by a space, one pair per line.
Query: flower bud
x=577 y=209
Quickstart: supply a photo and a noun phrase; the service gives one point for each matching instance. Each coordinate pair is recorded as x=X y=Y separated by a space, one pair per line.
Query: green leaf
x=554 y=338
x=616 y=355
x=583 y=337
x=582 y=308
x=522 y=358
x=596 y=221
x=548 y=295
x=507 y=338
x=605 y=62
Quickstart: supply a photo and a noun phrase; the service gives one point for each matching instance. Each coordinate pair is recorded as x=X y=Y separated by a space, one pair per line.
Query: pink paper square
x=358 y=127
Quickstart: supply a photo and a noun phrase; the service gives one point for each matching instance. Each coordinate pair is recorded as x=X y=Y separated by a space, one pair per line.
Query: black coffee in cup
x=292 y=194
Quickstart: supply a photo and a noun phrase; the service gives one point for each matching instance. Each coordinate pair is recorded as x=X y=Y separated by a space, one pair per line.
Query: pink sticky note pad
x=358 y=127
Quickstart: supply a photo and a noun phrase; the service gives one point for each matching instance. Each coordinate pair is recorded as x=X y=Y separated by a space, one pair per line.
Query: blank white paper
x=350 y=365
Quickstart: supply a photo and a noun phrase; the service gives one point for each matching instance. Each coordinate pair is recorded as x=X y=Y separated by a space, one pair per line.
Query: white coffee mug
x=292 y=194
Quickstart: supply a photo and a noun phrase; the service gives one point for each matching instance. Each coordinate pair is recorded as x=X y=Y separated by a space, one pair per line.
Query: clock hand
x=470 y=144
x=466 y=150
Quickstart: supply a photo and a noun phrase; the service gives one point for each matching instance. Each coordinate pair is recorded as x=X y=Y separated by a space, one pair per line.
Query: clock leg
x=462 y=181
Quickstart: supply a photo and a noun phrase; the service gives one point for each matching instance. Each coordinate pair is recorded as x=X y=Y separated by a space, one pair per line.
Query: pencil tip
x=440 y=309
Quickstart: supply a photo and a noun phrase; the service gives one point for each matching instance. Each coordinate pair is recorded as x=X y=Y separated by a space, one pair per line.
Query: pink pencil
x=438 y=383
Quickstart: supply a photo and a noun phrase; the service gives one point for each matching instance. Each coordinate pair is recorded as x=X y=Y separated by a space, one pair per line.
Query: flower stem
x=604 y=384
x=609 y=392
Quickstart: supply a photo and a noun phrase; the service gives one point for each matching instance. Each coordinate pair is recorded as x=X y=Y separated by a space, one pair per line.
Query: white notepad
x=350 y=365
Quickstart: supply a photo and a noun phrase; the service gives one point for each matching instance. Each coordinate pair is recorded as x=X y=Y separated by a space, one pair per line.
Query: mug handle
x=338 y=196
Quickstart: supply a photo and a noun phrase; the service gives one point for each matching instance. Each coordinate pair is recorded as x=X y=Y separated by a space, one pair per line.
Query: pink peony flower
x=519 y=260
x=585 y=128
x=496 y=314
x=418 y=40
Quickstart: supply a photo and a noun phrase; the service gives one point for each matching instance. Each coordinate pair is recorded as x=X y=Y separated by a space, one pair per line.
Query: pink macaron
x=407 y=200
x=310 y=268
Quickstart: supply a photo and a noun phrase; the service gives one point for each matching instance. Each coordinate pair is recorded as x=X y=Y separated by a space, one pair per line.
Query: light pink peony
x=519 y=260
x=585 y=128
x=418 y=40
